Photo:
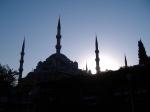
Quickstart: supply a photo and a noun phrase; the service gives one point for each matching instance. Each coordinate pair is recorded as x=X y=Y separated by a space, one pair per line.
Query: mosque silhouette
x=57 y=62
x=57 y=83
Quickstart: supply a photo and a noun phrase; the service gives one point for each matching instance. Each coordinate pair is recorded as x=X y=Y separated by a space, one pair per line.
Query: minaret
x=125 y=61
x=58 y=37
x=86 y=68
x=21 y=61
x=97 y=57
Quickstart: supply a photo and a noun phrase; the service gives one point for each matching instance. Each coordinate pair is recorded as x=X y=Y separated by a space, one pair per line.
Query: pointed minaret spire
x=125 y=61
x=59 y=27
x=21 y=61
x=86 y=68
x=97 y=56
x=58 y=37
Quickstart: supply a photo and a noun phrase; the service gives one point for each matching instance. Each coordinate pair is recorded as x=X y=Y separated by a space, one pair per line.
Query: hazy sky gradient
x=119 y=24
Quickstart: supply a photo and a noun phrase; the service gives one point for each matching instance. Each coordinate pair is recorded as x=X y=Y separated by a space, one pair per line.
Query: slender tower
x=97 y=57
x=86 y=68
x=58 y=37
x=125 y=61
x=21 y=61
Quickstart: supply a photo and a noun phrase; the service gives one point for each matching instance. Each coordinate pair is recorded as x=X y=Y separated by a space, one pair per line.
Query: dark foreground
x=125 y=90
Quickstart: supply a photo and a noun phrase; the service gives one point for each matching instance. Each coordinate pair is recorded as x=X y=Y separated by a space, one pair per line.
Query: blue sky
x=118 y=24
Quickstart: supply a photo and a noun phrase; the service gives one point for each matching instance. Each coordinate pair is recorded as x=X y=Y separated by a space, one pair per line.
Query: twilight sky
x=118 y=24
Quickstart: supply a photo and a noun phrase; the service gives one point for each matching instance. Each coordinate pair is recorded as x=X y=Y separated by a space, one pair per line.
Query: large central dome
x=57 y=62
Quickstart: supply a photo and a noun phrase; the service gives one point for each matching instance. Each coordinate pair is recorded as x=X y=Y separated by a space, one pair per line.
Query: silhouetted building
x=58 y=83
x=57 y=62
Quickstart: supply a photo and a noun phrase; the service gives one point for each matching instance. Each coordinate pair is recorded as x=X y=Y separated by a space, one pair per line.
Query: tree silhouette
x=7 y=76
x=143 y=58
